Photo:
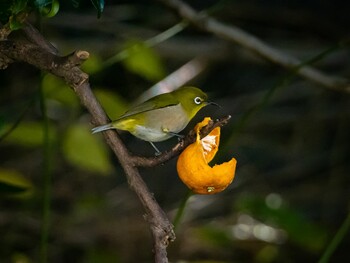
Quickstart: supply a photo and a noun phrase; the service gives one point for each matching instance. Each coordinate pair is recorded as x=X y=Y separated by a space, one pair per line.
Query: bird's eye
x=198 y=100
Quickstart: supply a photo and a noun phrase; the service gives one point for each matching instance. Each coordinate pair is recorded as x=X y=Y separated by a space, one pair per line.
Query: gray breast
x=162 y=122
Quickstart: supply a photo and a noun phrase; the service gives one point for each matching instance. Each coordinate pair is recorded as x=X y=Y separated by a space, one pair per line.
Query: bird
x=161 y=117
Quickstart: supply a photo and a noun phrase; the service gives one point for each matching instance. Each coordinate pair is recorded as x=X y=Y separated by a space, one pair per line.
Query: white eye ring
x=198 y=100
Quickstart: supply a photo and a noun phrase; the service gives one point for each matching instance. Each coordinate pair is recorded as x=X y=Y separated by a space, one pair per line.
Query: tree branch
x=41 y=54
x=63 y=67
x=254 y=44
x=178 y=148
x=68 y=69
x=161 y=228
x=35 y=37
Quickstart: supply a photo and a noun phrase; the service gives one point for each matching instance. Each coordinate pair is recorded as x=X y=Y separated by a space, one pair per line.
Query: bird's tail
x=102 y=128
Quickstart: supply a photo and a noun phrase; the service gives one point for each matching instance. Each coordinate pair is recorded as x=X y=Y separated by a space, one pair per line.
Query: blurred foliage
x=27 y=134
x=12 y=182
x=298 y=228
x=48 y=9
x=56 y=91
x=99 y=6
x=294 y=141
x=84 y=150
x=93 y=64
x=13 y=11
x=143 y=61
x=102 y=256
x=113 y=104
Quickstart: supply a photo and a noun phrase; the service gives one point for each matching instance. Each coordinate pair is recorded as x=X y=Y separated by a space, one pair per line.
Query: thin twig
x=177 y=149
x=336 y=240
x=238 y=36
x=35 y=37
x=47 y=180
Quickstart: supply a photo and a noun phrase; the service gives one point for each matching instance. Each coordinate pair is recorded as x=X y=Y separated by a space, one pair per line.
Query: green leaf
x=42 y=3
x=13 y=182
x=143 y=61
x=18 y=6
x=18 y=12
x=99 y=5
x=92 y=65
x=85 y=150
x=15 y=24
x=28 y=134
x=113 y=104
x=56 y=89
x=48 y=8
x=10 y=11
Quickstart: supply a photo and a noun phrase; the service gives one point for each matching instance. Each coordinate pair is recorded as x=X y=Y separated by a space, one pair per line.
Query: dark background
x=289 y=136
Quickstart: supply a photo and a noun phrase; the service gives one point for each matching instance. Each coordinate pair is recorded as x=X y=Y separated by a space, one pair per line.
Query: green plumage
x=160 y=117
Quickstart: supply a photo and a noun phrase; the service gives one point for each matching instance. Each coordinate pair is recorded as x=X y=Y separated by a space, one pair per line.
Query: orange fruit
x=194 y=170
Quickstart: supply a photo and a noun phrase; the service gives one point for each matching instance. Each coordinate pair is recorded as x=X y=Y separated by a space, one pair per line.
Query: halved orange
x=193 y=168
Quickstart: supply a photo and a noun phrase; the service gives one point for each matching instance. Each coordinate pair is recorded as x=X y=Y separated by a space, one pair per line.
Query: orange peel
x=194 y=170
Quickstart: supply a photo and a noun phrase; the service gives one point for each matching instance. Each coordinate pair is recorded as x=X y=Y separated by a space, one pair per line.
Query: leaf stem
x=181 y=210
x=47 y=181
x=19 y=119
x=163 y=36
x=339 y=236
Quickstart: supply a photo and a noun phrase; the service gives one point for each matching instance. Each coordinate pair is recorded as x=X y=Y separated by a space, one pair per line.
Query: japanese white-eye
x=160 y=117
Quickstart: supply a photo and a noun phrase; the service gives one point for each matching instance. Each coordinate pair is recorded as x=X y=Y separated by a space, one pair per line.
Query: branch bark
x=238 y=36
x=64 y=67
x=67 y=68
x=178 y=148
x=161 y=228
x=42 y=55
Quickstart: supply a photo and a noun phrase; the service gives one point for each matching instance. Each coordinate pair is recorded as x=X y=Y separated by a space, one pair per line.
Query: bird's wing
x=157 y=102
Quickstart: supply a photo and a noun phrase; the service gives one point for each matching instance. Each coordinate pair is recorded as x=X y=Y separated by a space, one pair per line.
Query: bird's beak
x=213 y=103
